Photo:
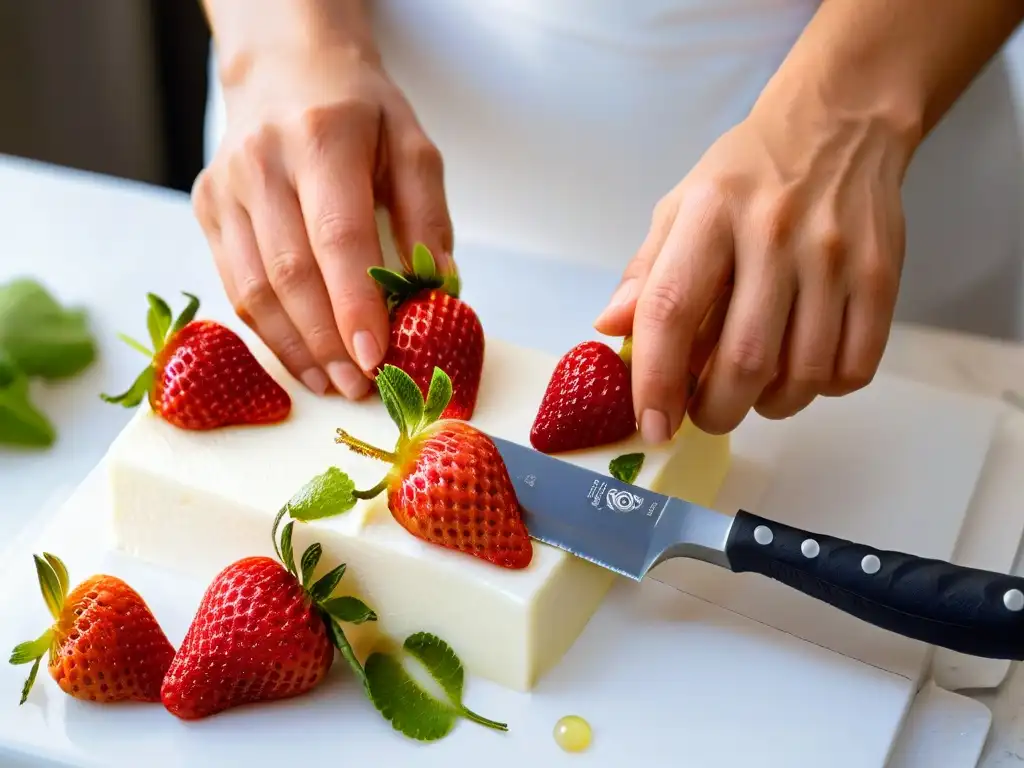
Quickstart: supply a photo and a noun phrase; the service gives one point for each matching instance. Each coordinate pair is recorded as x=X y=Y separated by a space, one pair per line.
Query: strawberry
x=432 y=327
x=201 y=374
x=588 y=401
x=262 y=632
x=448 y=484
x=105 y=644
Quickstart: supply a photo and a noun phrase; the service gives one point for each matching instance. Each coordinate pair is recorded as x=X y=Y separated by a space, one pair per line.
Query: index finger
x=687 y=278
x=336 y=195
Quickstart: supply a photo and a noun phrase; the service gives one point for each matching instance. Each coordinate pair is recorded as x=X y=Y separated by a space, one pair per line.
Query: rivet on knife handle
x=976 y=612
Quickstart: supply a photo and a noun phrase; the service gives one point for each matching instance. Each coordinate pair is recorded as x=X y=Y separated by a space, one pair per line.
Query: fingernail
x=348 y=380
x=315 y=381
x=654 y=426
x=368 y=351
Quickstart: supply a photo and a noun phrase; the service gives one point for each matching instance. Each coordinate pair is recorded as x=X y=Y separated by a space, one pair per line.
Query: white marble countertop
x=103 y=243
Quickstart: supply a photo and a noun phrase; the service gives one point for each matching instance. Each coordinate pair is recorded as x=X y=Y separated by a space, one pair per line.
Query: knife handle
x=976 y=612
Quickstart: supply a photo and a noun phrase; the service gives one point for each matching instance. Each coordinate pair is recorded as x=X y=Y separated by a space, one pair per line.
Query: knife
x=629 y=530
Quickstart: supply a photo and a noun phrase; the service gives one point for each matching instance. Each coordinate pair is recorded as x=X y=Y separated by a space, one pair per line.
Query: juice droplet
x=573 y=734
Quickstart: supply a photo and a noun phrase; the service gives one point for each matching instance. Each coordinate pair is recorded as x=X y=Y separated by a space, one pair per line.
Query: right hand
x=314 y=142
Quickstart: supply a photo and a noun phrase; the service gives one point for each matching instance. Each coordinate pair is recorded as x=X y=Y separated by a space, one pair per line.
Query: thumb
x=617 y=317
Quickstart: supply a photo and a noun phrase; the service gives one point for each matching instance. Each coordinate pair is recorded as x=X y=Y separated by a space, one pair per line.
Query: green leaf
x=136 y=393
x=402 y=398
x=391 y=281
x=310 y=559
x=329 y=493
x=423 y=264
x=26 y=653
x=21 y=422
x=326 y=584
x=345 y=648
x=348 y=609
x=406 y=705
x=49 y=584
x=438 y=396
x=43 y=338
x=61 y=570
x=287 y=555
x=188 y=314
x=158 y=320
x=27 y=687
x=626 y=467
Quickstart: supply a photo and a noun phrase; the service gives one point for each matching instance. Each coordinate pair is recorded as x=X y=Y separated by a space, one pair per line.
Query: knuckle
x=252 y=163
x=323 y=342
x=774 y=221
x=664 y=303
x=204 y=199
x=289 y=270
x=855 y=378
x=334 y=230
x=321 y=125
x=831 y=249
x=747 y=358
x=253 y=296
x=877 y=276
x=423 y=154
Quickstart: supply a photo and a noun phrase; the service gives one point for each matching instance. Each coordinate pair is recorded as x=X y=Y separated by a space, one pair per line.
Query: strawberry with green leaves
x=264 y=631
x=588 y=401
x=431 y=327
x=201 y=374
x=105 y=645
x=447 y=483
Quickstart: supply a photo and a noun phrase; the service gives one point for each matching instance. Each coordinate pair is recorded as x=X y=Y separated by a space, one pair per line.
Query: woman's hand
x=316 y=138
x=770 y=272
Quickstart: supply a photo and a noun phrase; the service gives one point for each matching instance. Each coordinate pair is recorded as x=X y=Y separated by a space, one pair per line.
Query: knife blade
x=629 y=530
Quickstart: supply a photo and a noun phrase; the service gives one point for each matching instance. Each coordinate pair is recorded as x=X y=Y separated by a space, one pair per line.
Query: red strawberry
x=261 y=633
x=202 y=375
x=588 y=401
x=105 y=644
x=448 y=484
x=432 y=327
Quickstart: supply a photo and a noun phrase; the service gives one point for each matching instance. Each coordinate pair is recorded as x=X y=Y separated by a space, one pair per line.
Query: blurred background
x=112 y=86
x=119 y=86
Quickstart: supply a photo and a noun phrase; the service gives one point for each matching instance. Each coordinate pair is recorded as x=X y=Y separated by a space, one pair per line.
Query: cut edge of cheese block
x=508 y=626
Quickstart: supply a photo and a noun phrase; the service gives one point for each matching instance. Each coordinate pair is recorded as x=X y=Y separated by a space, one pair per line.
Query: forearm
x=245 y=29
x=900 y=63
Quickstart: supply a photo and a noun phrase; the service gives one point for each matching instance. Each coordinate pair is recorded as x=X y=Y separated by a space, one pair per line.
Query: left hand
x=770 y=272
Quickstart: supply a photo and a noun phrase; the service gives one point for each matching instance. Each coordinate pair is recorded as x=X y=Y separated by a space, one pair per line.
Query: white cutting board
x=659 y=674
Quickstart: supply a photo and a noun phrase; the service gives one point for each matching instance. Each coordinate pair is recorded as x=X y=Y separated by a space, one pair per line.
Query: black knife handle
x=980 y=613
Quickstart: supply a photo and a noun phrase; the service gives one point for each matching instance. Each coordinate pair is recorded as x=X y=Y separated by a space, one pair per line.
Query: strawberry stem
x=356 y=445
x=626 y=353
x=372 y=493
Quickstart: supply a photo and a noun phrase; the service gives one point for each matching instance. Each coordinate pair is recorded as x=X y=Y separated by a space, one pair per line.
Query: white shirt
x=562 y=123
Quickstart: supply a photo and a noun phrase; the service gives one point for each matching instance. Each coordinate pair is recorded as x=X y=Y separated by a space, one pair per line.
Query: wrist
x=807 y=99
x=251 y=33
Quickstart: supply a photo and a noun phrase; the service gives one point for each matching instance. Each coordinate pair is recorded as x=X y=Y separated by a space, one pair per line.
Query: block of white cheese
x=197 y=501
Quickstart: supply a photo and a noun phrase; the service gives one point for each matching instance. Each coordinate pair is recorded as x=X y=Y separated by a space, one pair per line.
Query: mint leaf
x=403 y=702
x=423 y=264
x=351 y=610
x=402 y=398
x=326 y=584
x=438 y=396
x=43 y=338
x=21 y=422
x=330 y=493
x=626 y=468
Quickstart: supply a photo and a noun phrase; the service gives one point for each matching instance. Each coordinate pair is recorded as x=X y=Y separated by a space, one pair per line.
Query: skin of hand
x=317 y=138
x=770 y=274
